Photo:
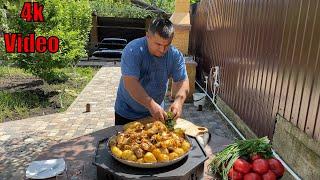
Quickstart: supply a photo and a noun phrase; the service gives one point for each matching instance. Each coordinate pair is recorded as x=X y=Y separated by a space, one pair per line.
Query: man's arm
x=182 y=89
x=137 y=92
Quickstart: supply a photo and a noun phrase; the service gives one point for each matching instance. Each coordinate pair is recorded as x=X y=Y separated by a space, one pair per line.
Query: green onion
x=224 y=160
x=170 y=122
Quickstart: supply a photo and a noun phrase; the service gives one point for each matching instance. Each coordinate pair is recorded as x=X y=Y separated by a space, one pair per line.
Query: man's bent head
x=159 y=36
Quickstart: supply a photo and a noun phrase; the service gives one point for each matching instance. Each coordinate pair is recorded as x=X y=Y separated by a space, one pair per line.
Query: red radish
x=269 y=176
x=260 y=166
x=276 y=166
x=235 y=175
x=252 y=176
x=242 y=166
x=255 y=156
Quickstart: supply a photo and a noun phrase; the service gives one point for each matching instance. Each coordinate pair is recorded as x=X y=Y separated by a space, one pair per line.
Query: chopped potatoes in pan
x=149 y=143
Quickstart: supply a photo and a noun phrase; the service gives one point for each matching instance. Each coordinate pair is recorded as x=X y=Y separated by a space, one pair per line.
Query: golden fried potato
x=177 y=143
x=152 y=147
x=149 y=158
x=167 y=143
x=127 y=126
x=120 y=138
x=152 y=131
x=156 y=152
x=175 y=136
x=149 y=143
x=127 y=147
x=179 y=151
x=164 y=150
x=145 y=146
x=185 y=146
x=158 y=145
x=163 y=158
x=140 y=160
x=126 y=154
x=132 y=125
x=116 y=151
x=173 y=155
x=148 y=126
x=158 y=137
x=179 y=132
x=132 y=158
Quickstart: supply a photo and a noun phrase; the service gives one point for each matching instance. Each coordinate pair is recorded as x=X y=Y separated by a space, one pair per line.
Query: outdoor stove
x=189 y=168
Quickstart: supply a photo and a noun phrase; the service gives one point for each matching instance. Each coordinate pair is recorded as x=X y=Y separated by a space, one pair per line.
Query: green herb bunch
x=224 y=160
x=170 y=122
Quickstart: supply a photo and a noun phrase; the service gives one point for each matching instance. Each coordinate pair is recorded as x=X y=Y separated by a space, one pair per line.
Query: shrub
x=124 y=8
x=70 y=21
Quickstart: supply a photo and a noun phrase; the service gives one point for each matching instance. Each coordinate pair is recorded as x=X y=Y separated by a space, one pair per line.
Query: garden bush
x=124 y=8
x=70 y=21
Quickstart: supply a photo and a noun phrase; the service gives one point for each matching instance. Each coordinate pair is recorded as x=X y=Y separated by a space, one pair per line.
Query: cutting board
x=189 y=128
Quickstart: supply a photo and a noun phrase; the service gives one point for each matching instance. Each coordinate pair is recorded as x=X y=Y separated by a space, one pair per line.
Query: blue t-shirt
x=153 y=74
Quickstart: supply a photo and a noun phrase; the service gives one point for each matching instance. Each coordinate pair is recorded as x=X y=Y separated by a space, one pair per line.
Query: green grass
x=59 y=95
x=6 y=71
x=70 y=89
x=16 y=105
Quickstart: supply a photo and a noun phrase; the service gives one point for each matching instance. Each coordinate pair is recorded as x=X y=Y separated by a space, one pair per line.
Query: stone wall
x=299 y=150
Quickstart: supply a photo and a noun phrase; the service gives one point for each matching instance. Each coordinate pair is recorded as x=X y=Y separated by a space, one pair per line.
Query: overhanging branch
x=146 y=6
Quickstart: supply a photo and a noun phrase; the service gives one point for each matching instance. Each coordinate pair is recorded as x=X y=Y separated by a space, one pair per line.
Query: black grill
x=189 y=168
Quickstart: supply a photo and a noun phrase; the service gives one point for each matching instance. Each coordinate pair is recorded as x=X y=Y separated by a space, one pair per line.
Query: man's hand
x=176 y=109
x=137 y=92
x=157 y=112
x=182 y=89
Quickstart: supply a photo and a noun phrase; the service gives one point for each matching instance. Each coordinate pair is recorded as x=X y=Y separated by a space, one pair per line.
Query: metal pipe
x=241 y=135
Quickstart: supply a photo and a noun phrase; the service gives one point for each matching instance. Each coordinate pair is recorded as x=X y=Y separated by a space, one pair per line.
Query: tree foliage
x=124 y=8
x=69 y=20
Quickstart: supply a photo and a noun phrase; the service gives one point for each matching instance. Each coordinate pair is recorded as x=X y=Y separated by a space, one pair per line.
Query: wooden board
x=190 y=128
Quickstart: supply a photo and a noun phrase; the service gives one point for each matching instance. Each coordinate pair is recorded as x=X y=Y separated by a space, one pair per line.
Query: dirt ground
x=34 y=86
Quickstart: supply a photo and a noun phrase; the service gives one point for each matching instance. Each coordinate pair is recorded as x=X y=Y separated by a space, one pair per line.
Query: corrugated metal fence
x=268 y=51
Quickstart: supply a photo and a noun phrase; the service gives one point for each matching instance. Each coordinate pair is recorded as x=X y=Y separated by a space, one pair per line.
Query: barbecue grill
x=189 y=168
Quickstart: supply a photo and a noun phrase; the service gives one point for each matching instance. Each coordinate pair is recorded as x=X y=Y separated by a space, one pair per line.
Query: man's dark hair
x=163 y=27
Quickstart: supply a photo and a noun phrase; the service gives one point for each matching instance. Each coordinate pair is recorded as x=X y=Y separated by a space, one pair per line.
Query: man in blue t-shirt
x=146 y=65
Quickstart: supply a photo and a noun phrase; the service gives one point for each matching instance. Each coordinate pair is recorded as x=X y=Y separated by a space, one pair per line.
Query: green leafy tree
x=3 y=29
x=69 y=20
x=124 y=8
x=118 y=8
x=194 y=1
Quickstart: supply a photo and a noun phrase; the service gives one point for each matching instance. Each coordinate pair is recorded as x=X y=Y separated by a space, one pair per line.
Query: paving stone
x=29 y=140
x=4 y=137
x=21 y=141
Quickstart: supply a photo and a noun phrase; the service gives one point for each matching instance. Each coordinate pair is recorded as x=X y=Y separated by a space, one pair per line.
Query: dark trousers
x=119 y=120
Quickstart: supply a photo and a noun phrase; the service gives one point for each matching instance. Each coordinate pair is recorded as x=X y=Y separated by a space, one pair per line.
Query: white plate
x=45 y=169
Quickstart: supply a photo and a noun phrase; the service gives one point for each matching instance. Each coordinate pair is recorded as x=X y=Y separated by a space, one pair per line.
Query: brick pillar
x=181 y=38
x=181 y=21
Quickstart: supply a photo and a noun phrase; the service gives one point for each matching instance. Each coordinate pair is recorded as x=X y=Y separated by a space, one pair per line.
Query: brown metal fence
x=268 y=52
